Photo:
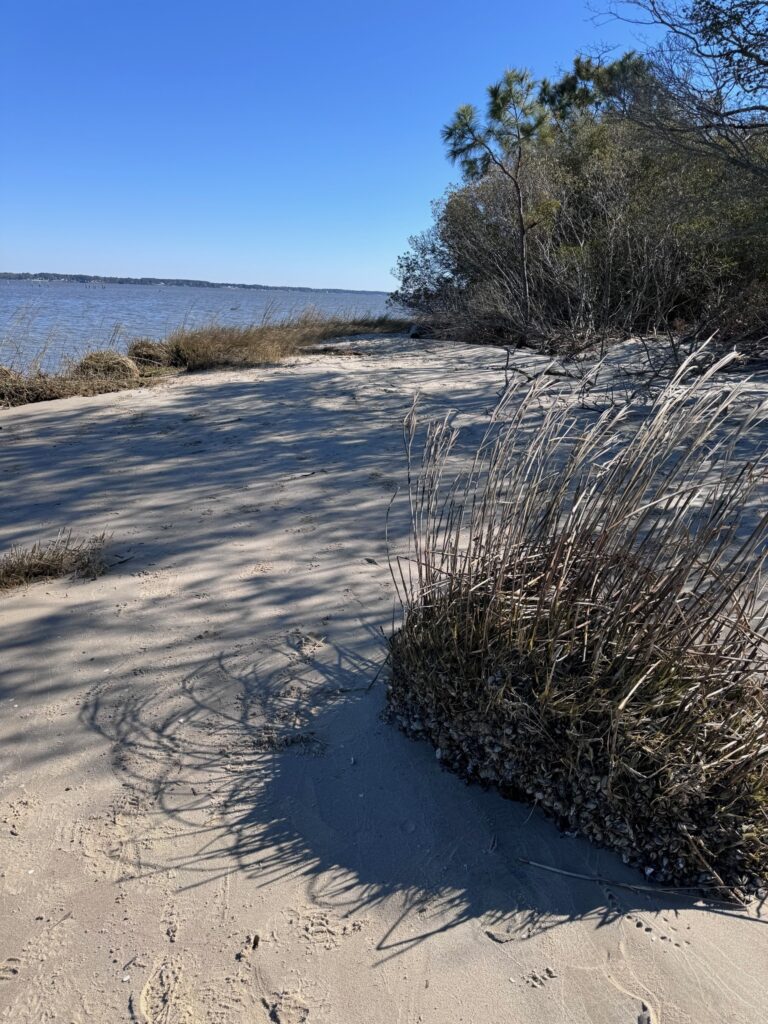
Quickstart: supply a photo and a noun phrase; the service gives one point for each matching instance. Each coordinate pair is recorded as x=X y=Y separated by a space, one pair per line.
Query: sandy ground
x=203 y=816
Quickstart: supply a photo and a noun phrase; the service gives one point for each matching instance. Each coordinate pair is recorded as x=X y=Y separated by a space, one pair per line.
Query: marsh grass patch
x=216 y=346
x=213 y=346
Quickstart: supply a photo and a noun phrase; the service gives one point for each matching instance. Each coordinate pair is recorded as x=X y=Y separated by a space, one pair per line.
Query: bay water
x=45 y=322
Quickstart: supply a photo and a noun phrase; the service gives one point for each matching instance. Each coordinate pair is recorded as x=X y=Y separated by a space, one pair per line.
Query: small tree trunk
x=523 y=244
x=514 y=177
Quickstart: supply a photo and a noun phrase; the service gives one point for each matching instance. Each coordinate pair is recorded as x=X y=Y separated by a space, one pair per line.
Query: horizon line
x=177 y=281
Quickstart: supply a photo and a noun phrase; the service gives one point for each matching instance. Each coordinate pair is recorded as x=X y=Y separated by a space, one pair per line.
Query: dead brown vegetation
x=26 y=388
x=583 y=623
x=107 y=365
x=47 y=560
x=216 y=345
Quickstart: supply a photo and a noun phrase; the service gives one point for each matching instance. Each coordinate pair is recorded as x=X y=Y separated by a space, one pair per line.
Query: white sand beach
x=204 y=816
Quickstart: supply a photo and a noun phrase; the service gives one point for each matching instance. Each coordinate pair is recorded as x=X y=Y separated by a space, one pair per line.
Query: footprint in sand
x=159 y=1001
x=286 y=1008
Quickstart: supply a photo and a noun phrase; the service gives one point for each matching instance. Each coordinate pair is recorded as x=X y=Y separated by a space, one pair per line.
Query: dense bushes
x=623 y=231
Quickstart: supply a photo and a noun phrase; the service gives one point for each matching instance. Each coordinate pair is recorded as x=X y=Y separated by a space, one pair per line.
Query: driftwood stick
x=680 y=891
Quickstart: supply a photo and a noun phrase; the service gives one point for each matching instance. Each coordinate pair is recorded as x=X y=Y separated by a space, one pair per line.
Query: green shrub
x=577 y=223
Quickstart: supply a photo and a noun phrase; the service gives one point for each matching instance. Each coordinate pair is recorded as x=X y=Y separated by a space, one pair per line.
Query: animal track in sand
x=171 y=922
x=160 y=583
x=321 y=929
x=387 y=483
x=640 y=923
x=257 y=569
x=307 y=644
x=9 y=969
x=43 y=979
x=538 y=979
x=655 y=932
x=17 y=812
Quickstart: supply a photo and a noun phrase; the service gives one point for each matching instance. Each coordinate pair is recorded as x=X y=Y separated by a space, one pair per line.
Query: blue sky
x=274 y=143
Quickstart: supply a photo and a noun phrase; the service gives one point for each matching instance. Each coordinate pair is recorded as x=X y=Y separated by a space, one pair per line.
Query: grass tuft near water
x=186 y=349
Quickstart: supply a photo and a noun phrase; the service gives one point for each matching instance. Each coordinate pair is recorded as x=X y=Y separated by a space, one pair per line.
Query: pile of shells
x=676 y=838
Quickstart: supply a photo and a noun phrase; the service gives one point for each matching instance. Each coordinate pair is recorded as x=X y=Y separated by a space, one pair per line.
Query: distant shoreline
x=177 y=282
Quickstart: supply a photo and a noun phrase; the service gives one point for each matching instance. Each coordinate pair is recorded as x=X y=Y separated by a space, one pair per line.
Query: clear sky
x=287 y=142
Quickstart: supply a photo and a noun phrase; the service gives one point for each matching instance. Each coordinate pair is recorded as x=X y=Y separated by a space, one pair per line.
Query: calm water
x=58 y=319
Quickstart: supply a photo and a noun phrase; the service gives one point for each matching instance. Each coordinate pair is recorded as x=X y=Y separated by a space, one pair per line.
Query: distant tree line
x=172 y=281
x=629 y=196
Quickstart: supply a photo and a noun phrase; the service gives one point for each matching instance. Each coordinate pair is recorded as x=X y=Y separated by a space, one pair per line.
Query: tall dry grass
x=63 y=556
x=217 y=345
x=585 y=625
x=97 y=373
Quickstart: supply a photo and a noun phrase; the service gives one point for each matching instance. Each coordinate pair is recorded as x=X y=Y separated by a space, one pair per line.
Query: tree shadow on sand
x=279 y=763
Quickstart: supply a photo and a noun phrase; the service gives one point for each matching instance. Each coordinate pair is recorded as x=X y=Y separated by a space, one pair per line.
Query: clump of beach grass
x=20 y=388
x=95 y=373
x=584 y=623
x=65 y=555
x=148 y=353
x=108 y=365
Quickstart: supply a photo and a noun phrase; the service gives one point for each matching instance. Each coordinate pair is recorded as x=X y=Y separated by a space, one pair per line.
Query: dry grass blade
x=584 y=623
x=63 y=556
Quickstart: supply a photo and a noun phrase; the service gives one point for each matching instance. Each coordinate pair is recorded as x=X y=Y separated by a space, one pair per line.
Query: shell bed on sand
x=203 y=816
